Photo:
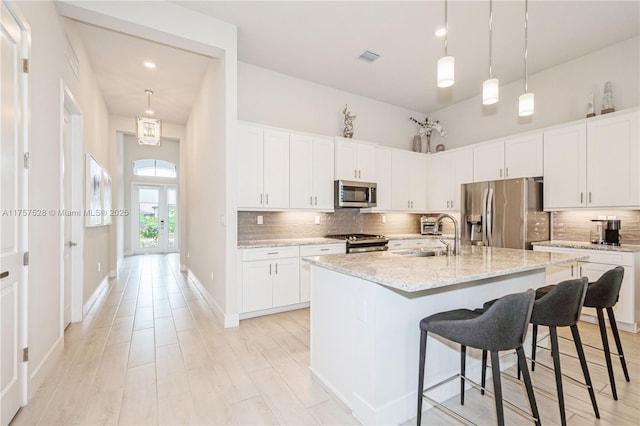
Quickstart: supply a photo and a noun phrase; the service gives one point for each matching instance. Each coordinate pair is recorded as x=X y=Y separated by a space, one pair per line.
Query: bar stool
x=603 y=294
x=501 y=327
x=560 y=307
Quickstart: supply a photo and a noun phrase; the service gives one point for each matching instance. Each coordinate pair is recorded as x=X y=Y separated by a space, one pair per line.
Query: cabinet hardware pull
x=451 y=203
x=324 y=249
x=269 y=269
x=267 y=198
x=5 y=274
x=272 y=252
x=581 y=197
x=589 y=196
x=316 y=198
x=408 y=203
x=355 y=173
x=260 y=198
x=276 y=269
x=359 y=174
x=500 y=171
x=572 y=270
x=506 y=170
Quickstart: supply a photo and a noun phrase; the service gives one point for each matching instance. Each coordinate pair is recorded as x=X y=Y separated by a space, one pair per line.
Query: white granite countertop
x=288 y=242
x=417 y=236
x=412 y=274
x=588 y=246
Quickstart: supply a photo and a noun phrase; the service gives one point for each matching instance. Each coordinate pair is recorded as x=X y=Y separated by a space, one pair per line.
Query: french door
x=155 y=218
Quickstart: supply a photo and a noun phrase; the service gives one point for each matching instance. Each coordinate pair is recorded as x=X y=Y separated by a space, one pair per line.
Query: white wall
x=48 y=67
x=561 y=96
x=275 y=99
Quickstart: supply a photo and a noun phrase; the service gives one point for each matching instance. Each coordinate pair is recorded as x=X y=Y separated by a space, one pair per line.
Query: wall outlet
x=259 y=220
x=317 y=220
x=383 y=219
x=99 y=267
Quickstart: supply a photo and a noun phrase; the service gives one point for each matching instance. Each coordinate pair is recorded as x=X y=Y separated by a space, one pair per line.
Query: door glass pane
x=171 y=216
x=148 y=219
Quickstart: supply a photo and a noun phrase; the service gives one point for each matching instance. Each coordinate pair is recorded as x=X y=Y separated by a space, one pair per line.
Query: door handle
x=5 y=274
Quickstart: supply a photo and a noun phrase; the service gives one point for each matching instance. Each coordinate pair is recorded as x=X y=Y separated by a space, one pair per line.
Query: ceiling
x=321 y=42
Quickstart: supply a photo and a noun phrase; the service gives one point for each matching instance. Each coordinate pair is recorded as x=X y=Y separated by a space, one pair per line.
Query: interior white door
x=68 y=242
x=12 y=222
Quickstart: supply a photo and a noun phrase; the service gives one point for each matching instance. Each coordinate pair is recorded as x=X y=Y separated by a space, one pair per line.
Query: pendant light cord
x=446 y=26
x=526 y=25
x=490 y=36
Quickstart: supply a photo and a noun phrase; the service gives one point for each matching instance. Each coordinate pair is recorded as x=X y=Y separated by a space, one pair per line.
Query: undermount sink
x=422 y=252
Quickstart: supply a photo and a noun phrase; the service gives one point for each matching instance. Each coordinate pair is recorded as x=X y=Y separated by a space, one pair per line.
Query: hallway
x=150 y=351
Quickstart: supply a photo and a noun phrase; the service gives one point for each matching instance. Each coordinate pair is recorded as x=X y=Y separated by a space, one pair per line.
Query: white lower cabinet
x=414 y=243
x=270 y=278
x=627 y=310
x=305 y=268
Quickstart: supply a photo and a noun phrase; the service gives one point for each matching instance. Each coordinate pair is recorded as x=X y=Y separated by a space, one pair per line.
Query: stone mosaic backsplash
x=576 y=225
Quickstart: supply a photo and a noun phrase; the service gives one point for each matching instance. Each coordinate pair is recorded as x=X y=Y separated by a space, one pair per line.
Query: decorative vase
x=417 y=143
x=428 y=143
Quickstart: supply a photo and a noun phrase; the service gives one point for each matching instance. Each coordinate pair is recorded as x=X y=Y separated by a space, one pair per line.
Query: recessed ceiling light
x=369 y=56
x=149 y=65
x=440 y=32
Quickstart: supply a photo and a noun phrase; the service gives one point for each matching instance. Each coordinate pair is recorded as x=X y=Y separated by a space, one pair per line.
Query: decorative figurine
x=427 y=127
x=607 y=99
x=348 y=123
x=591 y=110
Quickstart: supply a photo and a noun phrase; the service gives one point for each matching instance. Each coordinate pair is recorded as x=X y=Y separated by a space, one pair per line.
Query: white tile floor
x=152 y=352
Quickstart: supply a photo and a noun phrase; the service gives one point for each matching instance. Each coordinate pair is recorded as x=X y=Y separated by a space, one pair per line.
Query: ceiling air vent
x=368 y=56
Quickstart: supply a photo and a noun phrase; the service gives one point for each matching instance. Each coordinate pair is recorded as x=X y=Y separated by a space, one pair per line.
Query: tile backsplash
x=576 y=225
x=302 y=224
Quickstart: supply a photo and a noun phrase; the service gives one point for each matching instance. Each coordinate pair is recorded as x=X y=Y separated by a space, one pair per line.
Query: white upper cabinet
x=446 y=171
x=383 y=179
x=593 y=163
x=311 y=172
x=408 y=181
x=263 y=168
x=519 y=156
x=355 y=160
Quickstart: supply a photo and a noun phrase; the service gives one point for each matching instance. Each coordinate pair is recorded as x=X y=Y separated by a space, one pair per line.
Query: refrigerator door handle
x=490 y=217
x=485 y=236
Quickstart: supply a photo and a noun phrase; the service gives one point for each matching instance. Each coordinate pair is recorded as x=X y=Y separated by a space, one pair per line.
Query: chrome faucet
x=456 y=236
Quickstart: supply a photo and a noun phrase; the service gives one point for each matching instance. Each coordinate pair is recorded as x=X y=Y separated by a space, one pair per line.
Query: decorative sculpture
x=427 y=127
x=607 y=99
x=348 y=122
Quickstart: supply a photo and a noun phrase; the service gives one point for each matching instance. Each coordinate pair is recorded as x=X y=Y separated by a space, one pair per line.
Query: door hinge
x=25 y=66
x=25 y=258
x=27 y=160
x=25 y=354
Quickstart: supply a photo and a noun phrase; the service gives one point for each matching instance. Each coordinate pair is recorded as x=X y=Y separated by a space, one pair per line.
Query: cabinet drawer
x=615 y=258
x=270 y=253
x=424 y=242
x=321 y=250
x=397 y=244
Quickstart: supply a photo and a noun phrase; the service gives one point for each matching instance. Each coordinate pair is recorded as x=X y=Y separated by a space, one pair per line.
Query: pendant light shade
x=526 y=104
x=490 y=91
x=446 y=64
x=526 y=101
x=446 y=71
x=491 y=86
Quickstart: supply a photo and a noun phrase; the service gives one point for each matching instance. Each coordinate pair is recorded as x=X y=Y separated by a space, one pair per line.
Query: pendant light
x=490 y=87
x=446 y=64
x=148 y=130
x=526 y=100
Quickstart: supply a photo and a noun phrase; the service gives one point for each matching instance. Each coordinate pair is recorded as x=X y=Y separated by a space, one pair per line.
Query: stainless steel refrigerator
x=503 y=213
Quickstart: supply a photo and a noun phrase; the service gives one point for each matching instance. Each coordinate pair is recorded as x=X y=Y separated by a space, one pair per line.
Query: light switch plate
x=317 y=220
x=259 y=220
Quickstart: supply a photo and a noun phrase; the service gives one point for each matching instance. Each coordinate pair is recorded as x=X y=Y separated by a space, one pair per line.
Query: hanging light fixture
x=526 y=100
x=148 y=130
x=490 y=87
x=446 y=64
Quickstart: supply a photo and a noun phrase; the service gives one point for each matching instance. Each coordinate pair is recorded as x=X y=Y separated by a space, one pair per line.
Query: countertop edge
x=584 y=245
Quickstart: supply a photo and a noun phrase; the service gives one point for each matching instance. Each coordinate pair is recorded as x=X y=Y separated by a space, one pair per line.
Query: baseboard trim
x=631 y=328
x=229 y=320
x=36 y=378
x=99 y=291
x=247 y=315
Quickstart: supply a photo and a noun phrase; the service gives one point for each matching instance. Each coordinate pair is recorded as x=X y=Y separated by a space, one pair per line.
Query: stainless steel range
x=359 y=243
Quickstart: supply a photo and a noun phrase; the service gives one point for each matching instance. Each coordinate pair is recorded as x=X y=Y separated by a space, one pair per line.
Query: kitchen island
x=365 y=313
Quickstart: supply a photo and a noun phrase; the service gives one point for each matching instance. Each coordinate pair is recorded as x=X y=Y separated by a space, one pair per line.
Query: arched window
x=157 y=168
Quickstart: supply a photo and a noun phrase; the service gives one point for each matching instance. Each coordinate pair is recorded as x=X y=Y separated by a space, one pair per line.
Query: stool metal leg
x=522 y=363
x=497 y=386
x=463 y=359
x=607 y=354
x=534 y=343
x=585 y=369
x=616 y=336
x=483 y=380
x=423 y=351
x=555 y=352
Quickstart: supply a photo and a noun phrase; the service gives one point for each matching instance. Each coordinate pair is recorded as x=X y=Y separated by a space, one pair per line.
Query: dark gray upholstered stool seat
x=501 y=327
x=560 y=306
x=603 y=294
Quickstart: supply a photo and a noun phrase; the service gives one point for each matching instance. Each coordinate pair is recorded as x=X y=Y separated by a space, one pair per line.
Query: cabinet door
x=565 y=173
x=286 y=281
x=461 y=169
x=488 y=162
x=383 y=179
x=439 y=178
x=257 y=291
x=624 y=308
x=301 y=172
x=250 y=171
x=345 y=164
x=323 y=158
x=559 y=273
x=613 y=156
x=276 y=169
x=523 y=156
x=418 y=182
x=366 y=162
x=400 y=176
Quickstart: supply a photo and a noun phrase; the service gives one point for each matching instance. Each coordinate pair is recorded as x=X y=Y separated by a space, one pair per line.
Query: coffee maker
x=612 y=232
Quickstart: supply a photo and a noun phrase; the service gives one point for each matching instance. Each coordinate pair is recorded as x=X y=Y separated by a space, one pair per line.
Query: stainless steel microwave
x=353 y=194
